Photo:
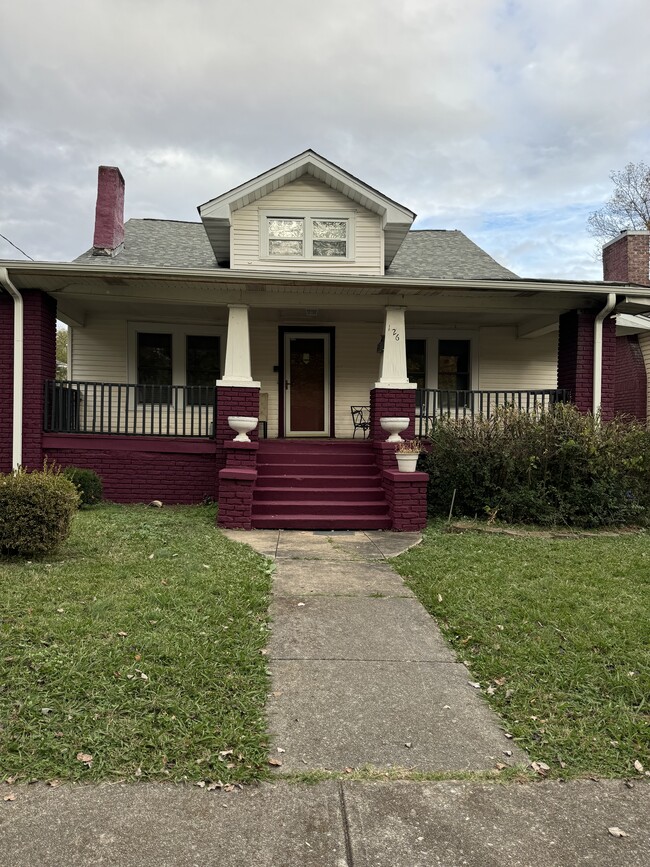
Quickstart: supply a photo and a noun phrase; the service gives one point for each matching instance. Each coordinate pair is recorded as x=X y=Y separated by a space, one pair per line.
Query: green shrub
x=36 y=511
x=562 y=467
x=88 y=483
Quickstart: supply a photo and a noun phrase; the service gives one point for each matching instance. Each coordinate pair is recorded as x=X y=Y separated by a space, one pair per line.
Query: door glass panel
x=202 y=366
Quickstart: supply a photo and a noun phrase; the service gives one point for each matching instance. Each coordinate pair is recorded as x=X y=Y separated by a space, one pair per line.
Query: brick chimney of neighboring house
x=109 y=213
x=627 y=258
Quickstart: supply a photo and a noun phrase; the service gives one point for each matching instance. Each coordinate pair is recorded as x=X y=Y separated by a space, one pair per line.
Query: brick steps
x=326 y=485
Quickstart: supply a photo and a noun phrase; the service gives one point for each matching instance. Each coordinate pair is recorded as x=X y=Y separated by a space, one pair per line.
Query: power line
x=16 y=246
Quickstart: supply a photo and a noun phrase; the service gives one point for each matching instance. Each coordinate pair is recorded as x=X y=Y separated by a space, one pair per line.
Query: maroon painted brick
x=391 y=402
x=631 y=379
x=137 y=476
x=576 y=358
x=406 y=494
x=109 y=210
x=234 y=401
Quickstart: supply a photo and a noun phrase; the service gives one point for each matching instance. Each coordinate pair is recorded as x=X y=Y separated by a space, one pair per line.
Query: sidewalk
x=361 y=676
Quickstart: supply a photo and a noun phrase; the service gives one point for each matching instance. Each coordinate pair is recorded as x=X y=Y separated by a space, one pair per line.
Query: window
x=154 y=361
x=416 y=362
x=454 y=371
x=306 y=237
x=174 y=358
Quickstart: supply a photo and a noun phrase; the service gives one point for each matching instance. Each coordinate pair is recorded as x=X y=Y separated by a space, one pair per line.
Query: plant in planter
x=407 y=453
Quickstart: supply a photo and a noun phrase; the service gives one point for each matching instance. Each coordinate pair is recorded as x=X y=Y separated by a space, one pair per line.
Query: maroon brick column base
x=575 y=369
x=385 y=455
x=406 y=494
x=39 y=365
x=396 y=402
x=236 y=483
x=233 y=401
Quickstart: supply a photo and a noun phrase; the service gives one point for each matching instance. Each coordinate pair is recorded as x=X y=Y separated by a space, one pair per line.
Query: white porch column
x=237 y=373
x=393 y=361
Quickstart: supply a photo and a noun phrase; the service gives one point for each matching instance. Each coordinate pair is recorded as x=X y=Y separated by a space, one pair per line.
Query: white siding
x=99 y=351
x=508 y=362
x=644 y=343
x=356 y=369
x=305 y=195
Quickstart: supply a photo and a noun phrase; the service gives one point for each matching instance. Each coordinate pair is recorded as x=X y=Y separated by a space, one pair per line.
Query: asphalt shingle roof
x=435 y=253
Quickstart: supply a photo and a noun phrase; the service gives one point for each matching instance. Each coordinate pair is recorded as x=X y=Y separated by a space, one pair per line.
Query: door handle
x=286 y=385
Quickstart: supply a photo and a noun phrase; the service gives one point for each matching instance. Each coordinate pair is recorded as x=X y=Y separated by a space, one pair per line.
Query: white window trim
x=432 y=337
x=179 y=333
x=308 y=217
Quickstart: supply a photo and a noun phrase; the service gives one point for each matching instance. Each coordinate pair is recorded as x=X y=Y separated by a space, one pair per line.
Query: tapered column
x=237 y=372
x=393 y=361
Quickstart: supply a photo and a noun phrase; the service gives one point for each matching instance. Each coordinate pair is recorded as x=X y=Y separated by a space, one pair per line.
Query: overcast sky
x=496 y=117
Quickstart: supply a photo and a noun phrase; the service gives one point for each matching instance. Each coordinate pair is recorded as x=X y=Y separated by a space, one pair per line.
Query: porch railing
x=71 y=406
x=434 y=403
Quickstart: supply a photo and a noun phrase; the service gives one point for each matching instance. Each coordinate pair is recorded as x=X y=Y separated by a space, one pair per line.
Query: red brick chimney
x=627 y=258
x=109 y=213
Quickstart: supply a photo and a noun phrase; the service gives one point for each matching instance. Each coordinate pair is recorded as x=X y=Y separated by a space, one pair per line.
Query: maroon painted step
x=324 y=484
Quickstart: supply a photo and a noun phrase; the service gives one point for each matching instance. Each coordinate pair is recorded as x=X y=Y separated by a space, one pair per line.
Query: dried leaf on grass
x=86 y=758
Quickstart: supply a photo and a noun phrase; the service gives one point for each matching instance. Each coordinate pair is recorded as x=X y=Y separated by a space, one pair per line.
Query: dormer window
x=308 y=236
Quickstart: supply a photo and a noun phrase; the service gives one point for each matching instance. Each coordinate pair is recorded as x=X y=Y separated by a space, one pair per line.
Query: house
x=301 y=293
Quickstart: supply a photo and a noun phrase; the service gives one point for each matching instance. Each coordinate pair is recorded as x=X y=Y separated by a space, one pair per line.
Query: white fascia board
x=629 y=324
x=635 y=295
x=306 y=163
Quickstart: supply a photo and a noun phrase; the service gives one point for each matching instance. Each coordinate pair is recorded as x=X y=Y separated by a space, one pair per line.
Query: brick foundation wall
x=406 y=494
x=631 y=379
x=576 y=360
x=396 y=402
x=6 y=379
x=174 y=471
x=234 y=401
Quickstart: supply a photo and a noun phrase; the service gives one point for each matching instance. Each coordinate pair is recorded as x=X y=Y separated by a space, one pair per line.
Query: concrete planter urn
x=394 y=425
x=242 y=424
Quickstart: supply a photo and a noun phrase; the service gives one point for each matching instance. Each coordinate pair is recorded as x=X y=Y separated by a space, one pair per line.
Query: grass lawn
x=138 y=644
x=557 y=632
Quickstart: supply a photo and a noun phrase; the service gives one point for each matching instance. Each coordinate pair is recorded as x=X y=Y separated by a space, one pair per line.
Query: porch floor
x=318 y=484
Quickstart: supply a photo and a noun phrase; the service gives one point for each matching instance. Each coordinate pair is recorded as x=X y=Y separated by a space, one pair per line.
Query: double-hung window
x=286 y=236
x=174 y=357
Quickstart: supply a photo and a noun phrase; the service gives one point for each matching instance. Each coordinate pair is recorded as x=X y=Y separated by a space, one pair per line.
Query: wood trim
x=308 y=329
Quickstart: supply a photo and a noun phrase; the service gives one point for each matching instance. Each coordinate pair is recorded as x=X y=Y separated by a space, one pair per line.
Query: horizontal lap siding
x=99 y=351
x=508 y=362
x=644 y=343
x=305 y=195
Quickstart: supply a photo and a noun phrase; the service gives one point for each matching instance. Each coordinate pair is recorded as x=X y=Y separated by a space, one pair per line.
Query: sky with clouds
x=497 y=117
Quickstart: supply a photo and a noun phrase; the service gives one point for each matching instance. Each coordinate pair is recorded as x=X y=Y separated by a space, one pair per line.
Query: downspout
x=17 y=438
x=598 y=351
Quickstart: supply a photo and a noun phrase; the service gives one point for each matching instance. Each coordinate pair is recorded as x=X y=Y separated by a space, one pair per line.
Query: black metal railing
x=71 y=406
x=435 y=403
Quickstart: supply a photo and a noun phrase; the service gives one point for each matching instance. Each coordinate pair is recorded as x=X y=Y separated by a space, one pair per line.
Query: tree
x=627 y=208
x=61 y=352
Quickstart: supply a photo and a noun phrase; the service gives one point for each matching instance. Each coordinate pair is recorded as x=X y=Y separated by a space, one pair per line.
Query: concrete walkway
x=361 y=674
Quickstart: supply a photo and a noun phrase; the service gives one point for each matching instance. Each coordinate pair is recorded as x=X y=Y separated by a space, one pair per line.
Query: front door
x=307 y=386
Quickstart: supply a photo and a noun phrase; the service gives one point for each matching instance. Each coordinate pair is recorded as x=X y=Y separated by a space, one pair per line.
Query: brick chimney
x=627 y=258
x=109 y=213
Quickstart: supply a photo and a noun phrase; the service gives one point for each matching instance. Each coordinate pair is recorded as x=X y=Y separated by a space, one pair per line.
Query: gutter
x=392 y=284
x=598 y=351
x=17 y=427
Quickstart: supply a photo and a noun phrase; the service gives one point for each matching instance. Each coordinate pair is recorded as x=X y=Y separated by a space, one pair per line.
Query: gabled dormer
x=306 y=214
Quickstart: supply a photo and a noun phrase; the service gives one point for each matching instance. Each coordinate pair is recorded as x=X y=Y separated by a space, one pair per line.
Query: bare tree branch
x=627 y=208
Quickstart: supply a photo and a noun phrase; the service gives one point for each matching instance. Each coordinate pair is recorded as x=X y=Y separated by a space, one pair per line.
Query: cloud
x=495 y=116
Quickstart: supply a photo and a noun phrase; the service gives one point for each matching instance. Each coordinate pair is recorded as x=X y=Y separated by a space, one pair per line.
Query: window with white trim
x=317 y=236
